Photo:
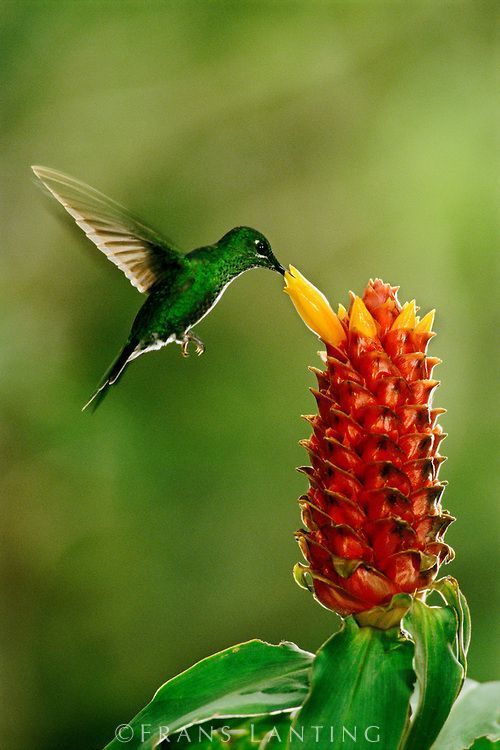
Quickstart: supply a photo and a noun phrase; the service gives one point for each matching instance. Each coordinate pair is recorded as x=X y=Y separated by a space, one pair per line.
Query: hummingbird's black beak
x=280 y=268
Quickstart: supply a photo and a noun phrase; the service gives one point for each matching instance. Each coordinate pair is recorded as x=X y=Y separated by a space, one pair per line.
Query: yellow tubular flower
x=341 y=312
x=313 y=308
x=407 y=318
x=360 y=319
x=425 y=325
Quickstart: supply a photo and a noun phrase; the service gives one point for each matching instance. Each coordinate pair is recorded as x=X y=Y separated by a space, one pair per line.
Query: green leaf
x=475 y=715
x=450 y=591
x=439 y=672
x=483 y=744
x=361 y=684
x=246 y=680
x=245 y=734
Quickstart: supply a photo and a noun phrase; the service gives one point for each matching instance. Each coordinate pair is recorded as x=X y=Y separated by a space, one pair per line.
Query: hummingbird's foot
x=188 y=338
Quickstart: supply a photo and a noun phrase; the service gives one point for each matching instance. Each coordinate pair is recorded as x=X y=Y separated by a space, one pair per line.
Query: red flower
x=373 y=518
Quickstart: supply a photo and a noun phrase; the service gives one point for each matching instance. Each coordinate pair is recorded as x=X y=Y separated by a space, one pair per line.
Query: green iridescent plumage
x=181 y=289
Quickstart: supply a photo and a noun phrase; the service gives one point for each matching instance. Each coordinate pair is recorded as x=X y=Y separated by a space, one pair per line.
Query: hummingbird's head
x=252 y=248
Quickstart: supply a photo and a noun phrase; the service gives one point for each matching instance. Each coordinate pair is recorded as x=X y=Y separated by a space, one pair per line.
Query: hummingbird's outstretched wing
x=142 y=255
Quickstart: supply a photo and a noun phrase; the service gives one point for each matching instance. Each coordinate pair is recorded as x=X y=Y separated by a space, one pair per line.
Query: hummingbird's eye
x=261 y=247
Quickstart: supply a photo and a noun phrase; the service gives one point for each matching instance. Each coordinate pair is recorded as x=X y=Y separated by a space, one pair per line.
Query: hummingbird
x=181 y=288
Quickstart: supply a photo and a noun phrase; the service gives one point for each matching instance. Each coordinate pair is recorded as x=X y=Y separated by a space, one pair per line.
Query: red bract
x=373 y=518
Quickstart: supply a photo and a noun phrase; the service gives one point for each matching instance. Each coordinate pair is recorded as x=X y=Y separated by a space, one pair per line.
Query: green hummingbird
x=182 y=289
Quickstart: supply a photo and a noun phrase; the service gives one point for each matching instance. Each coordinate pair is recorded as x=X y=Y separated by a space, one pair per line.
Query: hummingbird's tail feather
x=112 y=375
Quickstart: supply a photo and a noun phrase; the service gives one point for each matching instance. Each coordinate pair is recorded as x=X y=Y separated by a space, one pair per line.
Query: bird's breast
x=178 y=308
x=209 y=303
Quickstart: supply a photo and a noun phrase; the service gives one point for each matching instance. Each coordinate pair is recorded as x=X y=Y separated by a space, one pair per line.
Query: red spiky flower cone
x=373 y=518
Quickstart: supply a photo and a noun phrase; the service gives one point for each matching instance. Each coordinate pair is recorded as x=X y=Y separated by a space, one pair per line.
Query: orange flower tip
x=407 y=318
x=341 y=312
x=308 y=417
x=313 y=308
x=425 y=325
x=434 y=362
x=360 y=319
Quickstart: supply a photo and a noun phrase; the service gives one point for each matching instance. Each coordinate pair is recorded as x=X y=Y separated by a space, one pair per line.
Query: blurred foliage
x=360 y=138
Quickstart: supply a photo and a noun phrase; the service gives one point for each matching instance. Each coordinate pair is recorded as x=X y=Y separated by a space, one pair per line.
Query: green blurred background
x=359 y=137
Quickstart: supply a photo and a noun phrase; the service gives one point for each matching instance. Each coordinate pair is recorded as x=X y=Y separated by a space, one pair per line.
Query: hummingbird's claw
x=188 y=338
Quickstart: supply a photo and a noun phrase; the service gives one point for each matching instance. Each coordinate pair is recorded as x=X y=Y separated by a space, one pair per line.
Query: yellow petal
x=425 y=325
x=360 y=319
x=407 y=317
x=313 y=308
x=342 y=312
